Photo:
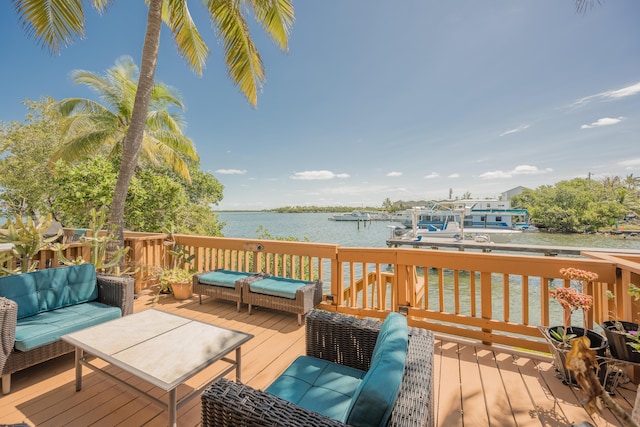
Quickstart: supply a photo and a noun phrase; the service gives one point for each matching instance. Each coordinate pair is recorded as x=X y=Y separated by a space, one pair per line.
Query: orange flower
x=577 y=274
x=570 y=299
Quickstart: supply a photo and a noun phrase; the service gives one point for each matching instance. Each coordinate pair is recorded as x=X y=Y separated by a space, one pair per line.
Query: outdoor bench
x=358 y=372
x=223 y=284
x=259 y=289
x=284 y=294
x=37 y=308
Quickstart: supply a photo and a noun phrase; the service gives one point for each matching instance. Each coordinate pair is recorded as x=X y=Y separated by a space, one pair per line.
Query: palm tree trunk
x=133 y=139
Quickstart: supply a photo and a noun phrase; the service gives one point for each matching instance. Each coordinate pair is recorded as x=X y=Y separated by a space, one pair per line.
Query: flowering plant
x=572 y=299
x=577 y=274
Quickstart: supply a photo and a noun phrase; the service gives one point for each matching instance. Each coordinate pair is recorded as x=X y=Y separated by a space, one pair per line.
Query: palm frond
x=276 y=17
x=582 y=6
x=243 y=61
x=150 y=150
x=55 y=23
x=82 y=147
x=101 y=5
x=175 y=161
x=163 y=95
x=162 y=119
x=191 y=46
x=180 y=144
x=76 y=106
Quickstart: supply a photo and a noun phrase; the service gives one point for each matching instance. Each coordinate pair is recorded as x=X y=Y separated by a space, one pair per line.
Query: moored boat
x=361 y=216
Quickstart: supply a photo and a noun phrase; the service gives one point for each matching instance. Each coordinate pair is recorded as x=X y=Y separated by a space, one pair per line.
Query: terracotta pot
x=182 y=290
x=618 y=341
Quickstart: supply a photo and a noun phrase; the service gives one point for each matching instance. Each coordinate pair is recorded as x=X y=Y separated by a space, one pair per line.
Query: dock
x=463 y=245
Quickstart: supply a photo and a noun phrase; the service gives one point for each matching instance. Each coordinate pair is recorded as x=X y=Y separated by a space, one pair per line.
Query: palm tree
x=91 y=128
x=57 y=23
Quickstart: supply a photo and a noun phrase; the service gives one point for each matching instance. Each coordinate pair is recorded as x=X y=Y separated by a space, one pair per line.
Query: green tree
x=81 y=187
x=26 y=186
x=92 y=128
x=156 y=198
x=57 y=23
x=575 y=205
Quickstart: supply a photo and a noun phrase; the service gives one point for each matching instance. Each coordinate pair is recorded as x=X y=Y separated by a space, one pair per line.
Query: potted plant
x=560 y=337
x=623 y=335
x=179 y=278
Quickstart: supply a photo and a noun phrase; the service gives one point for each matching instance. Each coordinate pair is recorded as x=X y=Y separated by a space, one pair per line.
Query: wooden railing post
x=487 y=302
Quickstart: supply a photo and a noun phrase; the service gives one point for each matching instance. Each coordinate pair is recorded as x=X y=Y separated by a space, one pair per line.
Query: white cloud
x=605 y=121
x=518 y=129
x=231 y=171
x=621 y=93
x=630 y=163
x=610 y=94
x=518 y=170
x=454 y=175
x=495 y=175
x=432 y=175
x=394 y=174
x=318 y=175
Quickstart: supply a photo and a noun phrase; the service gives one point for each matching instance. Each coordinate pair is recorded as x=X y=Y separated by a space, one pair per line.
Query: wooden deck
x=474 y=385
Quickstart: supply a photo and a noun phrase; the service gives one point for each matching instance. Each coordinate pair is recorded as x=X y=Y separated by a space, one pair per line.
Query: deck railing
x=491 y=297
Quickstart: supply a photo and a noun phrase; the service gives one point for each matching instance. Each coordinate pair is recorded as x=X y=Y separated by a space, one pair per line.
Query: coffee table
x=161 y=348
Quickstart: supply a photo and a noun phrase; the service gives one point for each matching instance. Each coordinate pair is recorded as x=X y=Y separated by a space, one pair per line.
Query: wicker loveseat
x=37 y=308
x=341 y=340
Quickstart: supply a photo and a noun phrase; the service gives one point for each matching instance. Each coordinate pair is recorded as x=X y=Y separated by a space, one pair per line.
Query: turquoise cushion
x=51 y=288
x=318 y=385
x=373 y=401
x=278 y=286
x=47 y=327
x=226 y=278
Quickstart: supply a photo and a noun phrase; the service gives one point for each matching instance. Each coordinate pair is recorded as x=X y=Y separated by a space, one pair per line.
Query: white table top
x=162 y=348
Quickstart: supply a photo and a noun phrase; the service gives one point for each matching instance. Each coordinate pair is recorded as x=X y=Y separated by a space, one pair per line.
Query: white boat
x=477 y=214
x=494 y=235
x=361 y=216
x=525 y=226
x=450 y=228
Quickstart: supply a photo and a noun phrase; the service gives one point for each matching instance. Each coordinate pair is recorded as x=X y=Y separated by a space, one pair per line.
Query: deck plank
x=497 y=399
x=474 y=385
x=516 y=390
x=449 y=392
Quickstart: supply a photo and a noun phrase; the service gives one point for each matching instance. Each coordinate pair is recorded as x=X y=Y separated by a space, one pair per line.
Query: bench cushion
x=375 y=397
x=318 y=385
x=226 y=278
x=47 y=327
x=49 y=289
x=278 y=286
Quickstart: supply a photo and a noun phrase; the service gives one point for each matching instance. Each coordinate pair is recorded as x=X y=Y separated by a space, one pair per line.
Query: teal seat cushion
x=47 y=327
x=225 y=278
x=374 y=399
x=278 y=286
x=318 y=385
x=49 y=289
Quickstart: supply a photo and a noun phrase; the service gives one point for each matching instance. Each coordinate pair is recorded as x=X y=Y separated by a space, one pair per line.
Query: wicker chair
x=340 y=339
x=116 y=291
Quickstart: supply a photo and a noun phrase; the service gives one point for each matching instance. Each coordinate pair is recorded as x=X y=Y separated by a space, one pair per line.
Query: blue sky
x=376 y=99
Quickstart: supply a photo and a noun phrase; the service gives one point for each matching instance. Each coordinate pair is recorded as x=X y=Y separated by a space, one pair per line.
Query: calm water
x=316 y=227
